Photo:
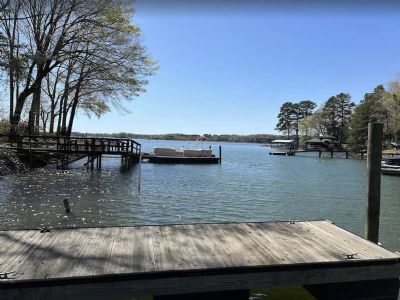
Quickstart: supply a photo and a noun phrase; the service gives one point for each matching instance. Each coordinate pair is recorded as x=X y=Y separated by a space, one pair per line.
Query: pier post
x=220 y=153
x=140 y=174
x=66 y=205
x=374 y=160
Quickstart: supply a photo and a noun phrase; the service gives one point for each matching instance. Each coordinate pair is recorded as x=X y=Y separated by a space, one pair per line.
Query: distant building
x=322 y=143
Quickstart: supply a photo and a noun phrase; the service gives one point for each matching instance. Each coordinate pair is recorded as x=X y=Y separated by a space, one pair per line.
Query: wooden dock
x=113 y=262
x=66 y=150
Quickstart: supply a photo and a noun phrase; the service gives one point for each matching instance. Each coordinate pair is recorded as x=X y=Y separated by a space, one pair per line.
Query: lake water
x=249 y=185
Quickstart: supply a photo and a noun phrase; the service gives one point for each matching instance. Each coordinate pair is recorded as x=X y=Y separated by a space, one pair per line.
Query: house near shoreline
x=323 y=143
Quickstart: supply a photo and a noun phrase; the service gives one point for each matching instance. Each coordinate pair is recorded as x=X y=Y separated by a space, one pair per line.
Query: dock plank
x=101 y=264
x=20 y=250
x=350 y=243
x=60 y=252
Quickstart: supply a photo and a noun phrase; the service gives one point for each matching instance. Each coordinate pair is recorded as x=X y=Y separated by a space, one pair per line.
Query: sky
x=226 y=67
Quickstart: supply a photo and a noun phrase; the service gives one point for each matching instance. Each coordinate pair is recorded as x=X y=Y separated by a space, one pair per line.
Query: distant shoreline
x=235 y=138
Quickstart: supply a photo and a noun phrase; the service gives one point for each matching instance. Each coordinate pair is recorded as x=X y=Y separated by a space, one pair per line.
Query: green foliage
x=336 y=116
x=291 y=116
x=369 y=110
x=330 y=116
x=391 y=103
x=285 y=118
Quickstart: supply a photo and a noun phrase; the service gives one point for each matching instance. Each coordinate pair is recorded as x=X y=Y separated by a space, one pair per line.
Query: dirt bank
x=10 y=163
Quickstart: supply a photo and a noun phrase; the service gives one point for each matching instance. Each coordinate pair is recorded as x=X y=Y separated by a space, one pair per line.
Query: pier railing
x=71 y=145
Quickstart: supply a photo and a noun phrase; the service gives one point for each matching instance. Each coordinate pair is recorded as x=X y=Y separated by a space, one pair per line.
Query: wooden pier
x=66 y=150
x=179 y=261
x=347 y=154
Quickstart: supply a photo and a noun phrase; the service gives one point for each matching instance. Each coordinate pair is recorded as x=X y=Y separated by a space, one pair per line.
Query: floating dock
x=180 y=159
x=112 y=262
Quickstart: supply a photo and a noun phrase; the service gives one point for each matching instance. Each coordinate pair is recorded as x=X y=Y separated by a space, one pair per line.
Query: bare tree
x=78 y=54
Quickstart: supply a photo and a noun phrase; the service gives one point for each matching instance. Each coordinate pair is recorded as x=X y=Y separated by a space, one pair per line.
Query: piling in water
x=374 y=160
x=66 y=205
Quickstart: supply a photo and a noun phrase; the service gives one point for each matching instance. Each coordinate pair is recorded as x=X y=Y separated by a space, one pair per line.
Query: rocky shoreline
x=10 y=163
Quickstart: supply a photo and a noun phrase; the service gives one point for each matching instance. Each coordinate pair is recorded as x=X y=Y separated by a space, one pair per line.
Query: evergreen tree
x=337 y=112
x=330 y=116
x=344 y=110
x=370 y=109
x=285 y=118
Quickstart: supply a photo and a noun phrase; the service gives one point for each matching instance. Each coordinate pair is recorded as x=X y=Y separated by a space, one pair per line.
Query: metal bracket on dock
x=5 y=275
x=44 y=229
x=350 y=256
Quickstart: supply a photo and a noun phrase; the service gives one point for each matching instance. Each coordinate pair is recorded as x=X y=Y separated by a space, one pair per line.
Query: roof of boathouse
x=322 y=139
x=282 y=141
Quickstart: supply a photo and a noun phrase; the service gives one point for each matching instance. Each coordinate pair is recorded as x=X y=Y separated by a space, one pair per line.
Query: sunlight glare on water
x=249 y=185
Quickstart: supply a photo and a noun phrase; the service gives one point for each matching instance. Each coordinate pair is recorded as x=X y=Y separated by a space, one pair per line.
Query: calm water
x=250 y=185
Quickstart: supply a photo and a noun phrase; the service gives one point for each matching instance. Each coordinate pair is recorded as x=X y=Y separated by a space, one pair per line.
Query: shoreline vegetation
x=233 y=138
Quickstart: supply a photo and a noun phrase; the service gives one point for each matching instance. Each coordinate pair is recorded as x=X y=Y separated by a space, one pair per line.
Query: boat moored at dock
x=182 y=155
x=391 y=166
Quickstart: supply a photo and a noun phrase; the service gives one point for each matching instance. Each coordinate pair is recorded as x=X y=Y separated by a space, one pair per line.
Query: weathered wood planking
x=172 y=259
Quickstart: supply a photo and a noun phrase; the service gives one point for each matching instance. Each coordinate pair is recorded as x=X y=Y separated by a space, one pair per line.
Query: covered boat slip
x=117 y=262
x=283 y=147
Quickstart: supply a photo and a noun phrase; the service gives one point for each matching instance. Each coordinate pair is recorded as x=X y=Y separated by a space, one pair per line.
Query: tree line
x=61 y=57
x=234 y=138
x=341 y=118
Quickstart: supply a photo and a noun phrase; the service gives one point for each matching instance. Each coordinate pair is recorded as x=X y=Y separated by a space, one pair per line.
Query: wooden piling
x=30 y=154
x=374 y=160
x=220 y=154
x=66 y=205
x=140 y=174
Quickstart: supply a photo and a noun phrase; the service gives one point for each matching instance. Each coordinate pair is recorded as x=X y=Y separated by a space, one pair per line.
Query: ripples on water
x=250 y=185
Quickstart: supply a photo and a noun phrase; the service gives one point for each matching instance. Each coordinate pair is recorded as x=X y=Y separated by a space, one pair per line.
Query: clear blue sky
x=227 y=68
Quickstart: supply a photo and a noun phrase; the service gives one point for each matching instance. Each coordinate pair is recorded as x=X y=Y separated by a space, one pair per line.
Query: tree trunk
x=11 y=94
x=41 y=72
x=63 y=105
x=52 y=114
x=34 y=111
x=71 y=117
x=75 y=102
x=19 y=105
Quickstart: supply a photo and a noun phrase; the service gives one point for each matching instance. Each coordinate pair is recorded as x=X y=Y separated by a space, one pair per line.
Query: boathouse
x=322 y=143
